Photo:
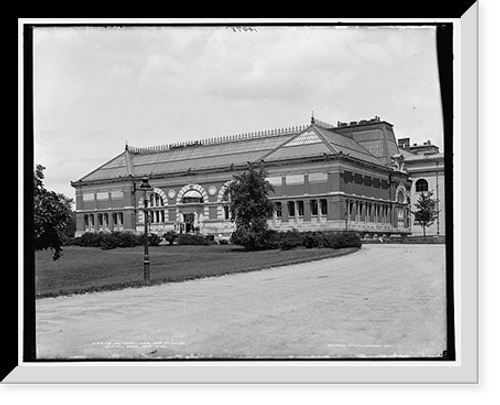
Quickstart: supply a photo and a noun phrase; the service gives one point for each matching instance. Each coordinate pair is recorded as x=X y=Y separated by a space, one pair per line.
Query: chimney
x=404 y=143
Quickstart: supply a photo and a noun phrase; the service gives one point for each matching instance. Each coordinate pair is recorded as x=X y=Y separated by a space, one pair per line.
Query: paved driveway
x=385 y=300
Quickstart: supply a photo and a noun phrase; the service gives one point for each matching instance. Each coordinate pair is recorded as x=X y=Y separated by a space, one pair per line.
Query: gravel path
x=385 y=300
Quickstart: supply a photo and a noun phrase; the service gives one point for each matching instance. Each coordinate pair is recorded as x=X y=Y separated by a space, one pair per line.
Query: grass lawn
x=84 y=269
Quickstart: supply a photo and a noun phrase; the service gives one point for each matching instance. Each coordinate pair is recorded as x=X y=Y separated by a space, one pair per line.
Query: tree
x=250 y=206
x=52 y=215
x=427 y=211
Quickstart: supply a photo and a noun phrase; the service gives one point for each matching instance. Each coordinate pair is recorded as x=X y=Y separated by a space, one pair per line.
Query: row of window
x=296 y=208
x=361 y=211
x=156 y=217
x=103 y=196
x=103 y=221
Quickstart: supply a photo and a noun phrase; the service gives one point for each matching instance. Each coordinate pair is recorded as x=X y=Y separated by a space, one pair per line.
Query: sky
x=98 y=88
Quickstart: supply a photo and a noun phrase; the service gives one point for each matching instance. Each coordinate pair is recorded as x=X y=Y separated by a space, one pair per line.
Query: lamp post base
x=146 y=269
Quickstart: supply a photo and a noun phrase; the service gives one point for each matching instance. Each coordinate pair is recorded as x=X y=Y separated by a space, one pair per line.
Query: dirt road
x=385 y=300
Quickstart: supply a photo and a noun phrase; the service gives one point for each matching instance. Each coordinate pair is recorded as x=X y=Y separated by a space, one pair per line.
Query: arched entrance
x=191 y=209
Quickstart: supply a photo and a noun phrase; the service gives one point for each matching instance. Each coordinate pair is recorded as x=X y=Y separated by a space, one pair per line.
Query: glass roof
x=306 y=138
x=200 y=151
x=313 y=141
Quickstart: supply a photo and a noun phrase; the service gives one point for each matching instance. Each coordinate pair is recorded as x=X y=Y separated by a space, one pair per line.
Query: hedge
x=195 y=239
x=293 y=239
x=112 y=240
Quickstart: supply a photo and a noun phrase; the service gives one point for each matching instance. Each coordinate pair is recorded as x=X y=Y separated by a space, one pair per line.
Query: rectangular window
x=86 y=220
x=278 y=209
x=102 y=196
x=314 y=207
x=88 y=197
x=106 y=220
x=275 y=181
x=324 y=207
x=99 y=219
x=291 y=208
x=117 y=195
x=318 y=177
x=300 y=208
x=226 y=212
x=348 y=177
x=296 y=179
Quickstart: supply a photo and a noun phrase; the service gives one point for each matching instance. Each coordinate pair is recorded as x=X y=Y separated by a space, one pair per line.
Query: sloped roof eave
x=82 y=179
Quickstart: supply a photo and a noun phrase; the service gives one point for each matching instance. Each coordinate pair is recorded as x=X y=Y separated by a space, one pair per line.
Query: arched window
x=155 y=215
x=401 y=197
x=155 y=200
x=192 y=197
x=421 y=186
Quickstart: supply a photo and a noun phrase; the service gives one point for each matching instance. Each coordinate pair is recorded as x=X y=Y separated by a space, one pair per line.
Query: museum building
x=349 y=176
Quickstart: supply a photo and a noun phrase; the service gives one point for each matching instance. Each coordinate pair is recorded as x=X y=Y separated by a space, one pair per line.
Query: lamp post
x=146 y=188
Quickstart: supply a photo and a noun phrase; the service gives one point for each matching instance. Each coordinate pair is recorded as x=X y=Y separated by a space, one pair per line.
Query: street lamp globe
x=145 y=185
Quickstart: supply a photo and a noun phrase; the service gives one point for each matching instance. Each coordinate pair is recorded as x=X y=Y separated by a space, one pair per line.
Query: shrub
x=170 y=237
x=209 y=240
x=108 y=241
x=126 y=239
x=190 y=239
x=246 y=238
x=89 y=239
x=337 y=240
x=223 y=242
x=312 y=240
x=290 y=240
x=271 y=239
x=268 y=239
x=154 y=239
